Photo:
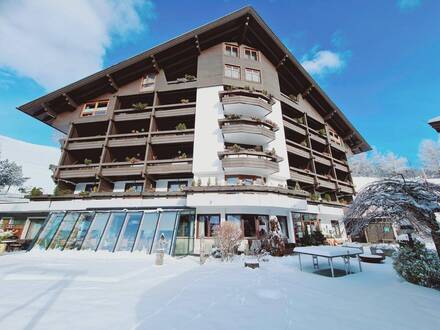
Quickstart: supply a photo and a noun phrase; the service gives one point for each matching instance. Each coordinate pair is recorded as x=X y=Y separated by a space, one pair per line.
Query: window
x=283 y=224
x=34 y=227
x=253 y=75
x=91 y=187
x=231 y=50
x=148 y=81
x=251 y=54
x=247 y=223
x=207 y=224
x=177 y=185
x=335 y=228
x=232 y=71
x=249 y=229
x=95 y=108
x=128 y=234
x=134 y=187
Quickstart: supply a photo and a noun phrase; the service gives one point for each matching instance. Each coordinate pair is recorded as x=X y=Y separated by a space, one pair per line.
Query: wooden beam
x=155 y=64
x=112 y=83
x=70 y=101
x=47 y=108
x=348 y=136
x=197 y=43
x=243 y=34
x=281 y=62
x=330 y=115
x=307 y=91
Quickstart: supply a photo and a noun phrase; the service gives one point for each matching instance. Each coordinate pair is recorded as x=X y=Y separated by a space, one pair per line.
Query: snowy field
x=74 y=290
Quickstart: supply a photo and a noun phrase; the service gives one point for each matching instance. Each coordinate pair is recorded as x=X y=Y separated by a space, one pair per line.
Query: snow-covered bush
x=227 y=237
x=418 y=265
x=275 y=238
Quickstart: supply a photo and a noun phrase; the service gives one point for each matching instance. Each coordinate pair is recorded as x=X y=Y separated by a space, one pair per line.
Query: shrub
x=139 y=106
x=227 y=238
x=36 y=192
x=181 y=126
x=418 y=265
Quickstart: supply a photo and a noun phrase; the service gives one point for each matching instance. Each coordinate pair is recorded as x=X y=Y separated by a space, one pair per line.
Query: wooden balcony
x=249 y=162
x=318 y=138
x=294 y=126
x=169 y=166
x=322 y=160
x=94 y=142
x=338 y=146
x=122 y=169
x=246 y=103
x=346 y=187
x=129 y=139
x=132 y=114
x=172 y=137
x=174 y=110
x=326 y=183
x=297 y=149
x=341 y=167
x=301 y=176
x=247 y=131
x=77 y=171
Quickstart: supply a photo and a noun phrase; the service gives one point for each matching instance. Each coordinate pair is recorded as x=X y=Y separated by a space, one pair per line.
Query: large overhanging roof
x=243 y=26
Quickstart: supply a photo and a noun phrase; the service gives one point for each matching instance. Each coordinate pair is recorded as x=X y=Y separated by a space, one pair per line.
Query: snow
x=328 y=251
x=34 y=159
x=76 y=290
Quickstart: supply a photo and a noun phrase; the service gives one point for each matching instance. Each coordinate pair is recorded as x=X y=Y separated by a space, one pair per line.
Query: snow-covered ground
x=74 y=290
x=34 y=159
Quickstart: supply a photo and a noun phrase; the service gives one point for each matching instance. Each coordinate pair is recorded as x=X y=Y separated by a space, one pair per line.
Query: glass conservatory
x=137 y=230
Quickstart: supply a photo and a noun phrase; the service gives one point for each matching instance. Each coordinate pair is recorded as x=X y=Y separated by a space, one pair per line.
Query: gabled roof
x=435 y=123
x=243 y=26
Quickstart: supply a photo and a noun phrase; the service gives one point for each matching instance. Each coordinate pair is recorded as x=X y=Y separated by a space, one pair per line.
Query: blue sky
x=377 y=59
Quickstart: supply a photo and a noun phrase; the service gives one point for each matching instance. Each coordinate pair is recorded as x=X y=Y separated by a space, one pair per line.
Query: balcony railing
x=246 y=103
x=77 y=171
x=302 y=176
x=173 y=110
x=174 y=136
x=90 y=142
x=123 y=168
x=249 y=162
x=247 y=131
x=129 y=139
x=169 y=166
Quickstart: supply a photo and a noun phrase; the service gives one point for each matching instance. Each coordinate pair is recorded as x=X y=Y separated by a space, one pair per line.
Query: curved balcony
x=249 y=162
x=247 y=131
x=246 y=103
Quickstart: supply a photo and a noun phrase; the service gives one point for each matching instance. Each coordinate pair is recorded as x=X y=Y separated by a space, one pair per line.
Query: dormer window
x=95 y=108
x=148 y=81
x=251 y=54
x=231 y=50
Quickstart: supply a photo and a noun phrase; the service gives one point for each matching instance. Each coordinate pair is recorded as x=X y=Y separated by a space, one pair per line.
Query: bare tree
x=429 y=155
x=227 y=237
x=403 y=202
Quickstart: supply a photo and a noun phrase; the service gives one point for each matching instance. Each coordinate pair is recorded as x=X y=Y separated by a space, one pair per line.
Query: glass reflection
x=112 y=231
x=95 y=232
x=185 y=235
x=146 y=232
x=79 y=231
x=64 y=230
x=49 y=230
x=166 y=228
x=128 y=236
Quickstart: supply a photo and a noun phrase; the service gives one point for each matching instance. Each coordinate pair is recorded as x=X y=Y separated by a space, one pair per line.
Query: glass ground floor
x=137 y=230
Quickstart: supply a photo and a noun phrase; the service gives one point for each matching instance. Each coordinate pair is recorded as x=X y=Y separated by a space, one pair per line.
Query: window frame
x=208 y=232
x=252 y=74
x=237 y=48
x=134 y=184
x=94 y=109
x=171 y=182
x=151 y=84
x=232 y=66
x=251 y=50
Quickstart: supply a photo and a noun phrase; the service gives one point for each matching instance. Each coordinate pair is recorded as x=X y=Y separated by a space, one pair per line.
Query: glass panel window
x=165 y=231
x=335 y=228
x=134 y=187
x=253 y=75
x=95 y=108
x=95 y=232
x=148 y=81
x=129 y=232
x=49 y=230
x=232 y=71
x=112 y=231
x=79 y=232
x=249 y=225
x=231 y=50
x=234 y=218
x=91 y=187
x=146 y=232
x=283 y=224
x=263 y=225
x=64 y=230
x=177 y=185
x=34 y=228
x=251 y=54
x=208 y=224
x=185 y=235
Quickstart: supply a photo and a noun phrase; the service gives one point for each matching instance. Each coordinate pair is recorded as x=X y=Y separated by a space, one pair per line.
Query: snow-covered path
x=71 y=290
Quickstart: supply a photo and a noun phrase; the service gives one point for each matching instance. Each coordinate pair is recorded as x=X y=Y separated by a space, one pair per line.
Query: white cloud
x=55 y=42
x=408 y=4
x=323 y=62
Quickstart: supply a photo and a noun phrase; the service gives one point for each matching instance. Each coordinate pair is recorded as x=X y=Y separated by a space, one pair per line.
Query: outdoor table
x=329 y=252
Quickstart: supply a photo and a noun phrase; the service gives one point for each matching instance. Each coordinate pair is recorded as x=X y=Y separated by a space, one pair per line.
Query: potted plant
x=235 y=148
x=139 y=106
x=181 y=127
x=184 y=101
x=87 y=161
x=4 y=234
x=35 y=192
x=190 y=77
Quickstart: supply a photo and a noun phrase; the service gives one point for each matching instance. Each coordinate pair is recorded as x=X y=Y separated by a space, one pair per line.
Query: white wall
x=279 y=144
x=208 y=139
